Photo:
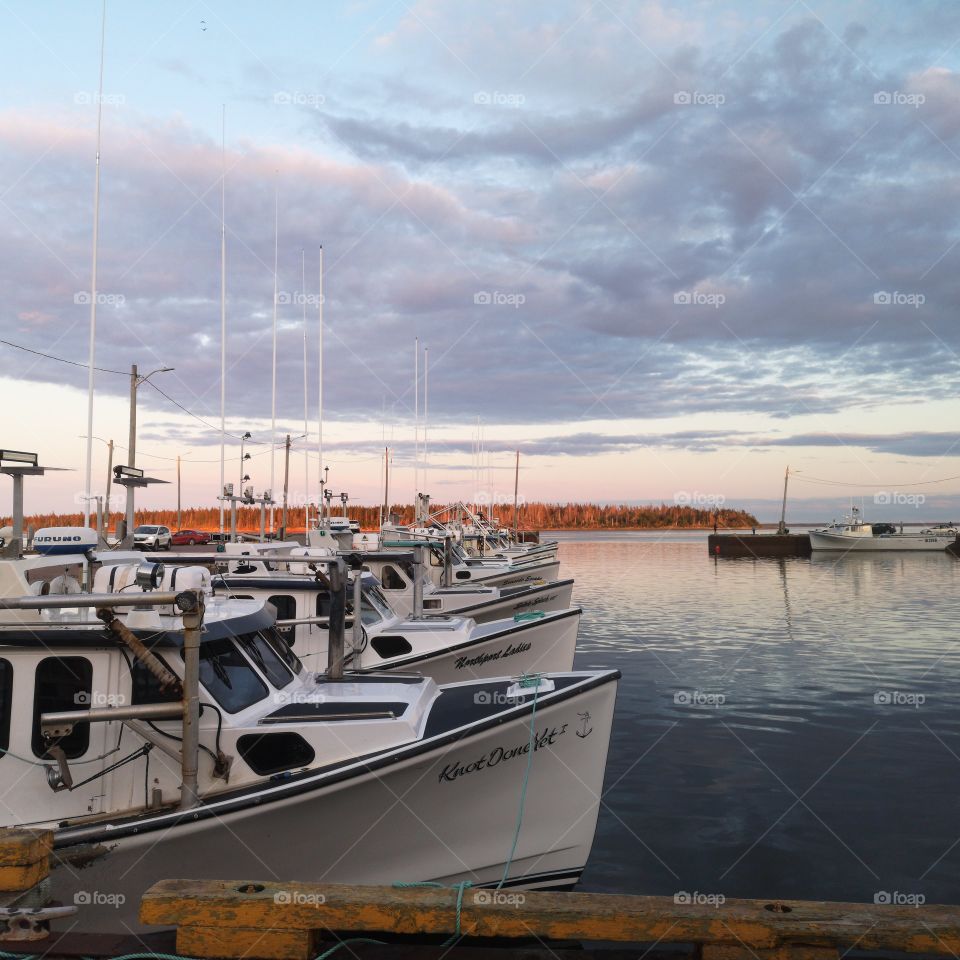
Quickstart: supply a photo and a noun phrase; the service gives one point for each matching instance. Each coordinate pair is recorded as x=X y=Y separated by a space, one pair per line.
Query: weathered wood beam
x=799 y=930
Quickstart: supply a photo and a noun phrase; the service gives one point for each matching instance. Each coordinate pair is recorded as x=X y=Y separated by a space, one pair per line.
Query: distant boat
x=853 y=533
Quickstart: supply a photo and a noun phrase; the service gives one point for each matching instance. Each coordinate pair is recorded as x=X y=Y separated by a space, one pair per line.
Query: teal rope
x=526 y=680
x=531 y=680
x=459 y=887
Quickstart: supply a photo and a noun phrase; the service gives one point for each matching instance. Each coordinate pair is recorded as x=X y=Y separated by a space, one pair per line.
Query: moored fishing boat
x=354 y=778
x=854 y=534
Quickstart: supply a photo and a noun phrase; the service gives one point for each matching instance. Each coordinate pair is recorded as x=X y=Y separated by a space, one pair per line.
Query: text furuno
x=481 y=658
x=498 y=754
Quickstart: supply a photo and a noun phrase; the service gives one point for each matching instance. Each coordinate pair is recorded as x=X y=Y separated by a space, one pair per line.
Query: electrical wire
x=869 y=483
x=121 y=373
x=49 y=356
x=177 y=403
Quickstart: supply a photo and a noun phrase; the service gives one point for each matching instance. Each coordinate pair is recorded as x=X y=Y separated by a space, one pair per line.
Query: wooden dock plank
x=19 y=847
x=749 y=924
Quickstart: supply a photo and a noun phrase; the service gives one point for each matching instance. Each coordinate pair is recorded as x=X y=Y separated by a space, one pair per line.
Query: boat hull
x=892 y=542
x=555 y=595
x=515 y=575
x=545 y=645
x=443 y=810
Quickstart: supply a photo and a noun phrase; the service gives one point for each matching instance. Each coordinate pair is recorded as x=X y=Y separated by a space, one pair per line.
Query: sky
x=663 y=250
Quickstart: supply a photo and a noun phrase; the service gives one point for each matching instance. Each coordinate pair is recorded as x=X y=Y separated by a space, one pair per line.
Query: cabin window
x=145 y=687
x=228 y=677
x=323 y=603
x=286 y=610
x=265 y=658
x=282 y=649
x=269 y=753
x=62 y=683
x=369 y=614
x=387 y=647
x=6 y=701
x=463 y=574
x=391 y=579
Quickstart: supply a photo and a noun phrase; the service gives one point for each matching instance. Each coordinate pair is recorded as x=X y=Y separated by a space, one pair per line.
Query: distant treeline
x=533 y=516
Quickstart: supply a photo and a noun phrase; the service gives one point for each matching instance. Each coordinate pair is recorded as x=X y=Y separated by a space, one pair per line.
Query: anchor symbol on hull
x=584 y=730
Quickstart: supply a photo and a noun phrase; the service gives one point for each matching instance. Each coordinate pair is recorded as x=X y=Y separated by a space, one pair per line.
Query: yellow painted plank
x=19 y=847
x=754 y=924
x=240 y=942
x=23 y=877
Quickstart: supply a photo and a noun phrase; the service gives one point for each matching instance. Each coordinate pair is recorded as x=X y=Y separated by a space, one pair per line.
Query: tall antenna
x=223 y=307
x=273 y=408
x=306 y=402
x=416 y=421
x=320 y=389
x=426 y=388
x=93 y=282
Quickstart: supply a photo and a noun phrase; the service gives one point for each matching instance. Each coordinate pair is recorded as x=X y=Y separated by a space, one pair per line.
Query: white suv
x=152 y=538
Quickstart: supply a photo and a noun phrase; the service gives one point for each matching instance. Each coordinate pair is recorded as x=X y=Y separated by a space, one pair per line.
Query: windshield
x=375 y=604
x=262 y=653
x=228 y=677
x=146 y=530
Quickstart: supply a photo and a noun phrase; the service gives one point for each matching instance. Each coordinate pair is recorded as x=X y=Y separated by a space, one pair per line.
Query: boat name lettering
x=497 y=755
x=481 y=658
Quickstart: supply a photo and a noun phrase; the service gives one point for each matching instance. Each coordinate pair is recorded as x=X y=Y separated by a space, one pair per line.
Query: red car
x=189 y=538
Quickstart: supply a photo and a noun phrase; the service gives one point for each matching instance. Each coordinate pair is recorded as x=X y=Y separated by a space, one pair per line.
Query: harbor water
x=785 y=728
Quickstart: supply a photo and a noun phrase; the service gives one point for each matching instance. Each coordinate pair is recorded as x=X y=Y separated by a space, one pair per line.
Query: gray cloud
x=798 y=201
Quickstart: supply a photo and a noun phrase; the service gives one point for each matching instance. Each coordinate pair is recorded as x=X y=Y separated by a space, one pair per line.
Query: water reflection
x=785 y=728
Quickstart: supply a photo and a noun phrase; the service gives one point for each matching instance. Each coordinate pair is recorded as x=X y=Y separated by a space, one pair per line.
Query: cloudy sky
x=663 y=249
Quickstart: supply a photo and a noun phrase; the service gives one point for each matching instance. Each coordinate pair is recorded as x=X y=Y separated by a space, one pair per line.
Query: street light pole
x=135 y=381
x=132 y=448
x=106 y=495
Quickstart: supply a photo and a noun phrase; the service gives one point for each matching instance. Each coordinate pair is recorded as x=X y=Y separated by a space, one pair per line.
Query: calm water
x=784 y=728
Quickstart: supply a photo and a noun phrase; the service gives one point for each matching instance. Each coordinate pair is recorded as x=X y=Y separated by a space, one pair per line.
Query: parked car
x=152 y=538
x=189 y=537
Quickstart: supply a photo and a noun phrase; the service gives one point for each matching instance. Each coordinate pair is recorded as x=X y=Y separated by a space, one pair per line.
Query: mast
x=320 y=389
x=426 y=388
x=91 y=356
x=273 y=407
x=416 y=423
x=782 y=528
x=223 y=307
x=516 y=502
x=306 y=402
x=386 y=486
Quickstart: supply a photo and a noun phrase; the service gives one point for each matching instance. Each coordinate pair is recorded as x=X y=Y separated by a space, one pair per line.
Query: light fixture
x=19 y=456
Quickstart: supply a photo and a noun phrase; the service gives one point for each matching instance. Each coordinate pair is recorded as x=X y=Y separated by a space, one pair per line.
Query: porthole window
x=267 y=753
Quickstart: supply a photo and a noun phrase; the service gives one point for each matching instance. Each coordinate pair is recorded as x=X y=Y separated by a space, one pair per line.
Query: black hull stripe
x=313 y=780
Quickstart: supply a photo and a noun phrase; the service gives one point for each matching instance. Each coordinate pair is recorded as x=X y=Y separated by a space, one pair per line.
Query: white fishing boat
x=479 y=601
x=854 y=534
x=448 y=563
x=446 y=647
x=203 y=747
